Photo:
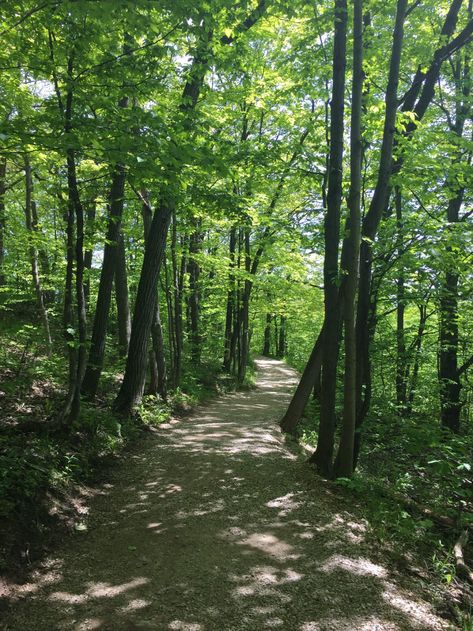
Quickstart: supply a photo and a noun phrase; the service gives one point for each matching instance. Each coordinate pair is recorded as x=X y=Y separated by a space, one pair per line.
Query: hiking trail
x=213 y=524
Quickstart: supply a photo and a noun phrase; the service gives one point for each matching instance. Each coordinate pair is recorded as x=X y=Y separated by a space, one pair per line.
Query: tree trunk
x=107 y=275
x=68 y=310
x=88 y=255
x=177 y=281
x=157 y=359
x=75 y=254
x=449 y=378
x=31 y=226
x=3 y=173
x=365 y=315
x=227 y=354
x=282 y=338
x=449 y=373
x=195 y=244
x=417 y=346
x=80 y=296
x=170 y=317
x=132 y=388
x=401 y=359
x=301 y=396
x=121 y=298
x=323 y=455
x=344 y=461
x=245 y=311
x=159 y=353
x=267 y=336
x=417 y=99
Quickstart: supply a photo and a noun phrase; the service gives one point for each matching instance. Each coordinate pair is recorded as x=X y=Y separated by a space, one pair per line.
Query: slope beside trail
x=214 y=524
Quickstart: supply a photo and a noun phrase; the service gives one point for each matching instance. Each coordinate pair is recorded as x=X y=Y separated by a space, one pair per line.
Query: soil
x=215 y=524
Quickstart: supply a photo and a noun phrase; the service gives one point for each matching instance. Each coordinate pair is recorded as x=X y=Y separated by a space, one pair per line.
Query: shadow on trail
x=217 y=526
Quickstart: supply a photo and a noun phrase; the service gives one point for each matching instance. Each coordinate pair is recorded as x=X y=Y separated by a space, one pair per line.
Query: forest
x=236 y=254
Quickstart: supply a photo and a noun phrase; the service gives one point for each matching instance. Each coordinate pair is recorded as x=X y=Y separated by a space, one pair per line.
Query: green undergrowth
x=413 y=459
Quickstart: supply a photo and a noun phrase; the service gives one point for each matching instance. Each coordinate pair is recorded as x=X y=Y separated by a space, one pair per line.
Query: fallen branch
x=463 y=571
x=441 y=520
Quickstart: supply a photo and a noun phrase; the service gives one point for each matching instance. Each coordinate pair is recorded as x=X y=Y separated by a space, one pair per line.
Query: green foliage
x=250 y=157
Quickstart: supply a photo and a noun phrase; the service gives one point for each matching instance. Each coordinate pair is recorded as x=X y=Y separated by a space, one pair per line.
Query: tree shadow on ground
x=217 y=526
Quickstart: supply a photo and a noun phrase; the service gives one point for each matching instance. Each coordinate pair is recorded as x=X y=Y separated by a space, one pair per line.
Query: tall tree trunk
x=68 y=310
x=178 y=271
x=401 y=359
x=344 y=460
x=3 y=188
x=170 y=317
x=75 y=255
x=276 y=334
x=80 y=296
x=449 y=372
x=157 y=359
x=89 y=252
x=245 y=310
x=159 y=352
x=323 y=455
x=422 y=85
x=379 y=201
x=282 y=338
x=229 y=324
x=195 y=244
x=310 y=376
x=132 y=388
x=417 y=99
x=31 y=226
x=107 y=274
x=43 y=259
x=416 y=347
x=449 y=377
x=267 y=336
x=122 y=298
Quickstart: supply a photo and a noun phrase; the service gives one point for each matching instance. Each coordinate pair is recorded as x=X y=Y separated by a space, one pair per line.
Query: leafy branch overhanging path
x=215 y=524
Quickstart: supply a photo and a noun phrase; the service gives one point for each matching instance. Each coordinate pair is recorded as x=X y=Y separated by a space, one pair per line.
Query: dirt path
x=216 y=526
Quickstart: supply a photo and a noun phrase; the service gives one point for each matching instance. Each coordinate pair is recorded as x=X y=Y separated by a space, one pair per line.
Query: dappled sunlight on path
x=215 y=525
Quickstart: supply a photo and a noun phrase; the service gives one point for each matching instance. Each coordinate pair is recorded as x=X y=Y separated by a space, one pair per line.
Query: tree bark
x=178 y=271
x=88 y=255
x=449 y=372
x=323 y=455
x=228 y=356
x=3 y=173
x=31 y=226
x=245 y=310
x=282 y=338
x=122 y=298
x=132 y=388
x=344 y=461
x=157 y=359
x=107 y=275
x=401 y=359
x=365 y=317
x=267 y=336
x=310 y=376
x=195 y=244
x=449 y=378
x=416 y=347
